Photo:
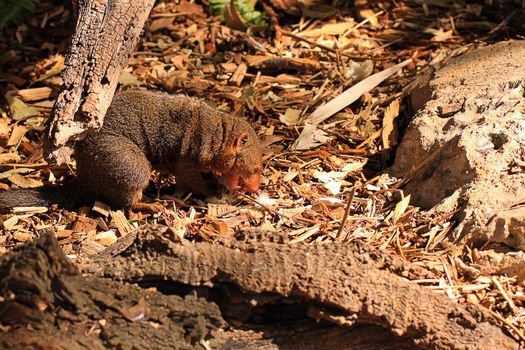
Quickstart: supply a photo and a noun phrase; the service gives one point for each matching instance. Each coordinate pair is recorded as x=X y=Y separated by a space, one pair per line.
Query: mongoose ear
x=243 y=141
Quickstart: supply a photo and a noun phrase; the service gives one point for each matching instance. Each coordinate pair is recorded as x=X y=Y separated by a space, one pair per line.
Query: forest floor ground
x=321 y=183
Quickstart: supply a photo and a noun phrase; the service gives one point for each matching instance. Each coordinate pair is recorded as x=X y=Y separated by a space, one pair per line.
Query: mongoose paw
x=150 y=208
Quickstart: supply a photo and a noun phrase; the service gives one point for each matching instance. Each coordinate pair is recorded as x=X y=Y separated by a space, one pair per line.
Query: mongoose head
x=243 y=173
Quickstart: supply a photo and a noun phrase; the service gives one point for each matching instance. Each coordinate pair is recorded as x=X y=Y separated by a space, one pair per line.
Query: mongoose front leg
x=113 y=169
x=190 y=178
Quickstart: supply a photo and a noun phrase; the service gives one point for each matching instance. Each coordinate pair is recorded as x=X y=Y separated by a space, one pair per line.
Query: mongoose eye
x=243 y=141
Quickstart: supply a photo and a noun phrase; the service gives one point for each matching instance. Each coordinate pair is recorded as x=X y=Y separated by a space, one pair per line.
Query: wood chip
x=239 y=74
x=121 y=222
x=16 y=135
x=217 y=210
x=22 y=236
x=101 y=208
x=29 y=210
x=106 y=238
x=229 y=67
x=282 y=63
x=389 y=134
x=61 y=234
x=35 y=94
x=84 y=224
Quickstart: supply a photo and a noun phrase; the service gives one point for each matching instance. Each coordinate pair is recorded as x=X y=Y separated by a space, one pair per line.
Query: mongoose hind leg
x=113 y=169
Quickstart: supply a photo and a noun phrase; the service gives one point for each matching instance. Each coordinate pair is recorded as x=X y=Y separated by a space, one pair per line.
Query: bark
x=149 y=292
x=105 y=34
x=344 y=284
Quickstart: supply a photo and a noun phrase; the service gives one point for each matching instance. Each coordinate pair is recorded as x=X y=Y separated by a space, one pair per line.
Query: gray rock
x=465 y=147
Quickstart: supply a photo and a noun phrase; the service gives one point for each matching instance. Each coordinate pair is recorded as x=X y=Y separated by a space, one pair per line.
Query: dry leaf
x=106 y=238
x=161 y=23
x=268 y=140
x=101 y=208
x=440 y=34
x=329 y=183
x=137 y=312
x=303 y=234
x=10 y=224
x=128 y=79
x=291 y=117
x=310 y=137
x=266 y=201
x=400 y=208
x=521 y=277
x=24 y=181
x=369 y=15
x=217 y=227
x=8 y=173
x=358 y=71
x=232 y=17
x=329 y=29
x=9 y=158
x=19 y=110
x=331 y=202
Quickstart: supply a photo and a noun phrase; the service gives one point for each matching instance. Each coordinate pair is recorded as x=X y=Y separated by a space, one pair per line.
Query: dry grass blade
x=352 y=94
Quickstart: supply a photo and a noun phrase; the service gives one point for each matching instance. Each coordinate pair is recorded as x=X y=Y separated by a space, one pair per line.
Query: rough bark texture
x=464 y=148
x=105 y=34
x=47 y=304
x=274 y=296
x=344 y=284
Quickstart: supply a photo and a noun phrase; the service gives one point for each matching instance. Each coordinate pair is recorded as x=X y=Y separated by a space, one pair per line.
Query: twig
x=501 y=319
x=347 y=211
x=505 y=295
x=360 y=24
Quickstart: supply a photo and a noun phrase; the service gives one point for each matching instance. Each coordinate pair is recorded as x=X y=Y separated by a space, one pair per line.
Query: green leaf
x=13 y=11
x=245 y=8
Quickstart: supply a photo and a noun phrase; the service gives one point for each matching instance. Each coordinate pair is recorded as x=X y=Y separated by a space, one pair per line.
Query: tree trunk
x=106 y=33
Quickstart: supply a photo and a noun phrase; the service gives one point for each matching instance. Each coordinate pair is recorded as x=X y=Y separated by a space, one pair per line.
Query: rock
x=465 y=147
x=508 y=227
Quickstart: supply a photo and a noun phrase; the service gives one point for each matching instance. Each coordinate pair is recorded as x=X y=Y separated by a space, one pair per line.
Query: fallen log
x=150 y=292
x=346 y=284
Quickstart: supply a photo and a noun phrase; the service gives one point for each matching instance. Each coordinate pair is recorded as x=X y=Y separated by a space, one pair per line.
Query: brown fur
x=150 y=130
